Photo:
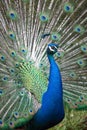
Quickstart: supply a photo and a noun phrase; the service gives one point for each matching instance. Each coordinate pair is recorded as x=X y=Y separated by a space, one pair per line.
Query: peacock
x=43 y=62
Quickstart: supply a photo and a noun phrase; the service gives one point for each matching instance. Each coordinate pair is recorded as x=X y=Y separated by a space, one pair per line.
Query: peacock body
x=30 y=94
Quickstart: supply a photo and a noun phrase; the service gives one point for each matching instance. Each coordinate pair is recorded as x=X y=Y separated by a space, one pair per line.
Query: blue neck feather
x=55 y=82
x=51 y=111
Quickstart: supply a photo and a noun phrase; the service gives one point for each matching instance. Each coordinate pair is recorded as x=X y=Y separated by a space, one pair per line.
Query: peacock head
x=52 y=48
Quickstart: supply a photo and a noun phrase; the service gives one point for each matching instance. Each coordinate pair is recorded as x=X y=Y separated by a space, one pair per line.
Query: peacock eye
x=22 y=92
x=11 y=35
x=80 y=62
x=1 y=123
x=67 y=8
x=54 y=37
x=31 y=112
x=43 y=18
x=75 y=104
x=11 y=124
x=81 y=97
x=58 y=54
x=1 y=92
x=12 y=15
x=12 y=70
x=2 y=58
x=5 y=78
x=68 y=100
x=23 y=50
x=12 y=53
x=78 y=29
x=16 y=114
x=84 y=48
x=16 y=64
x=73 y=75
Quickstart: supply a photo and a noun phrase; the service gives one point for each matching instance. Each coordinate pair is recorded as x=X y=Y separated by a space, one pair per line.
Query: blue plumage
x=51 y=111
x=29 y=97
x=45 y=35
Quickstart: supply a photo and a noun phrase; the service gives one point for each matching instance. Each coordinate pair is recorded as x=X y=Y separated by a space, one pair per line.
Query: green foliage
x=72 y=121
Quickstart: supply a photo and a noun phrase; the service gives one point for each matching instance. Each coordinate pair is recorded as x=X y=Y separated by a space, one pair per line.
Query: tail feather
x=26 y=28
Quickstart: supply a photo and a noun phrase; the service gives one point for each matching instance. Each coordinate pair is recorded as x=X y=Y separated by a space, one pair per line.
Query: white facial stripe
x=51 y=49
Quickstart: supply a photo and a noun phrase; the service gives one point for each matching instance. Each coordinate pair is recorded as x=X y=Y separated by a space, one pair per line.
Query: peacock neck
x=55 y=81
